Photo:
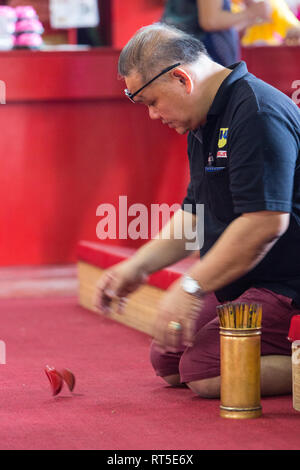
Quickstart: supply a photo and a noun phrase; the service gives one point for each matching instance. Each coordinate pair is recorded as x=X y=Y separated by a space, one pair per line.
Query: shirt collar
x=198 y=133
x=225 y=90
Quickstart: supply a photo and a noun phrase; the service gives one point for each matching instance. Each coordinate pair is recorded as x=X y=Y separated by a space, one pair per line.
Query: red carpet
x=118 y=402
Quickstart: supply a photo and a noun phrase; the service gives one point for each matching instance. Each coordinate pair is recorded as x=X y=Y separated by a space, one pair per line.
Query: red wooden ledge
x=104 y=256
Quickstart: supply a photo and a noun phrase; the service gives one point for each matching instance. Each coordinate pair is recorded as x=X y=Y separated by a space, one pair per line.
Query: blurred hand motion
x=116 y=284
x=261 y=9
x=176 y=321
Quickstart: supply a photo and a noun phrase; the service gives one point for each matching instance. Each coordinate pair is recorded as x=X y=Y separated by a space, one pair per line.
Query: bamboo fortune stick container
x=240 y=343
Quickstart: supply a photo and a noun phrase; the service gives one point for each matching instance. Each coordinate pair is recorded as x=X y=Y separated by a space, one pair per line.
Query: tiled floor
x=38 y=281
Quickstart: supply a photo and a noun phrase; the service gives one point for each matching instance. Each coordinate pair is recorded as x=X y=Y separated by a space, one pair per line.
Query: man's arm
x=244 y=243
x=212 y=17
x=169 y=246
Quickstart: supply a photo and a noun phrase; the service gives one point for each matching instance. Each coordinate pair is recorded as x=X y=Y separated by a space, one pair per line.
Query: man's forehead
x=134 y=80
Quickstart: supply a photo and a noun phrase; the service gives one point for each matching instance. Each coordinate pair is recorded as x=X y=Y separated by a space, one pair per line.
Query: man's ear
x=184 y=77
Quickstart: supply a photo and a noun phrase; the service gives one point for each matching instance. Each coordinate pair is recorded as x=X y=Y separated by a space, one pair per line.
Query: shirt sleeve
x=263 y=152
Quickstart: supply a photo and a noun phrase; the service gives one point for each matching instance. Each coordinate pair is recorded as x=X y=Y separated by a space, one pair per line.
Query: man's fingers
x=189 y=332
x=107 y=292
x=173 y=336
x=105 y=283
x=190 y=324
x=122 y=304
x=167 y=333
x=104 y=292
x=102 y=302
x=159 y=331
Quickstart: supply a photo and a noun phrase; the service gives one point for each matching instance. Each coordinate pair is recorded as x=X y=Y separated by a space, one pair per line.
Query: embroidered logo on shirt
x=223 y=137
x=222 y=154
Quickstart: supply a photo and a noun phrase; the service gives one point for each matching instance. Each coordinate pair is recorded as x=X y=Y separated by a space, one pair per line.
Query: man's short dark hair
x=156 y=46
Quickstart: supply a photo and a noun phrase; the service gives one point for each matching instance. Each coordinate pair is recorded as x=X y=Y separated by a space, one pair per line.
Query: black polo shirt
x=246 y=159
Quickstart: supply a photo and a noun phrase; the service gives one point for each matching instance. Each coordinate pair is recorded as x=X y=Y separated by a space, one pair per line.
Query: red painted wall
x=127 y=17
x=71 y=141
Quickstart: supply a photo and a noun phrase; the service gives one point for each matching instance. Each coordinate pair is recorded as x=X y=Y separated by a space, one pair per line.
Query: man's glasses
x=132 y=95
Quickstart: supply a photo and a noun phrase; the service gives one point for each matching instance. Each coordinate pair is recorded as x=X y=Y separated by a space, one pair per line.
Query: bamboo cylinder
x=296 y=374
x=240 y=373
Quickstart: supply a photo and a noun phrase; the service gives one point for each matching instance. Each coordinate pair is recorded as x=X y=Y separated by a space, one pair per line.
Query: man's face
x=167 y=99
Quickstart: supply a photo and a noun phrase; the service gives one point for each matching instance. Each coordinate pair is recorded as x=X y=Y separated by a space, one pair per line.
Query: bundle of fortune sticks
x=240 y=315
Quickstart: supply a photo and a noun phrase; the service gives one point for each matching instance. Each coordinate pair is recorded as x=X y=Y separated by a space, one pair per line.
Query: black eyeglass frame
x=132 y=95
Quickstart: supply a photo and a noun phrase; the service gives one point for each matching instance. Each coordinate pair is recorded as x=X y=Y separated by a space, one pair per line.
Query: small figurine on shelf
x=29 y=30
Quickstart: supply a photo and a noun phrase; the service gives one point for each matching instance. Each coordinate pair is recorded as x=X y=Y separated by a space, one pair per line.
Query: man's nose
x=153 y=113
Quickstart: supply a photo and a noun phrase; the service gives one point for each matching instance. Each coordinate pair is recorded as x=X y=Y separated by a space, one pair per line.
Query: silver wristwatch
x=191 y=286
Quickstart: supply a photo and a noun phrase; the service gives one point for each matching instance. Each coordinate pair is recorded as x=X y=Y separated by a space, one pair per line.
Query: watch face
x=191 y=286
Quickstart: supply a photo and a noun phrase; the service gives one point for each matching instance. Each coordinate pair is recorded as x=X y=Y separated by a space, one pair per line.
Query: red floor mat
x=118 y=402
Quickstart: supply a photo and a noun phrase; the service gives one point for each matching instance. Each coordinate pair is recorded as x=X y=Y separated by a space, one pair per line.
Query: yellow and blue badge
x=223 y=137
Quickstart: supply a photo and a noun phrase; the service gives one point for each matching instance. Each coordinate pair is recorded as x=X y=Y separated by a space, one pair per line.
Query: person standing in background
x=213 y=22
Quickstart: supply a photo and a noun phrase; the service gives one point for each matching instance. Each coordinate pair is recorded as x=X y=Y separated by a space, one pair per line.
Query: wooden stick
x=237 y=314
x=226 y=315
x=220 y=314
x=242 y=308
x=246 y=314
x=231 y=316
x=254 y=316
x=259 y=316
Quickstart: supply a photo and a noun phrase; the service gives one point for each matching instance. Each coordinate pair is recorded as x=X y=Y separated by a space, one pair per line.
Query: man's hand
x=175 y=326
x=116 y=284
x=259 y=10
